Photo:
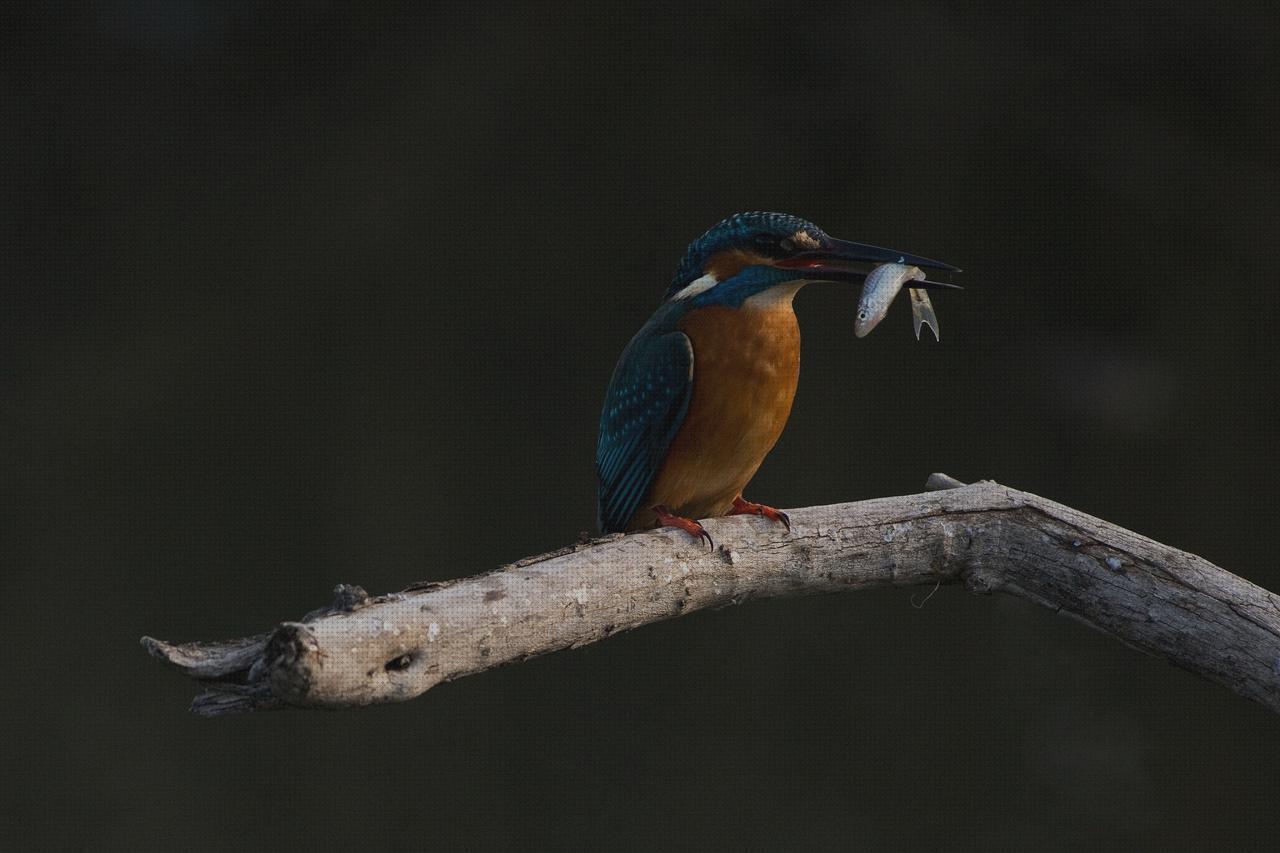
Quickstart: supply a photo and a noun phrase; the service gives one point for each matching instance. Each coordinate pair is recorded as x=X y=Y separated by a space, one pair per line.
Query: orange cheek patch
x=725 y=265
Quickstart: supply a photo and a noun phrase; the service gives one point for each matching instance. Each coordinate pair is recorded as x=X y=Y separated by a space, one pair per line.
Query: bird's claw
x=666 y=518
x=746 y=507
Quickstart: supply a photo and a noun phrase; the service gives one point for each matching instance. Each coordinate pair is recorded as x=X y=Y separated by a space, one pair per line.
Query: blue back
x=644 y=407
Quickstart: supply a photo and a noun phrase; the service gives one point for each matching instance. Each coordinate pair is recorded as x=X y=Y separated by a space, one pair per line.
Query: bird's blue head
x=749 y=253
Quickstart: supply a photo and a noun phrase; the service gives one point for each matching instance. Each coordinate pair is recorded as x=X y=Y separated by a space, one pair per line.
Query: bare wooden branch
x=364 y=650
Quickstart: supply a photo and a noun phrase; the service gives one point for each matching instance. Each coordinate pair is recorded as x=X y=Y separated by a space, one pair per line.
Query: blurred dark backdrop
x=299 y=294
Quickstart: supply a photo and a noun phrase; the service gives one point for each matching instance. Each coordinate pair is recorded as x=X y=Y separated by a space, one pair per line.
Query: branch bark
x=362 y=650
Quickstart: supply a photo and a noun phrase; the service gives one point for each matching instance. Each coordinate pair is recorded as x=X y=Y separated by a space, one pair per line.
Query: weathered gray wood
x=363 y=651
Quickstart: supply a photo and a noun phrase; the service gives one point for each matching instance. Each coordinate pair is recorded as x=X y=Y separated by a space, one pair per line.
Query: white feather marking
x=779 y=294
x=695 y=287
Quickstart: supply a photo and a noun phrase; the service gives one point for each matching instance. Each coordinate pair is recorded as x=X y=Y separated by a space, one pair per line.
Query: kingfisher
x=701 y=393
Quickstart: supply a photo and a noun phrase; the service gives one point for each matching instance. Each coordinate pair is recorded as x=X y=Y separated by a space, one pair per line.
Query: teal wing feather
x=644 y=407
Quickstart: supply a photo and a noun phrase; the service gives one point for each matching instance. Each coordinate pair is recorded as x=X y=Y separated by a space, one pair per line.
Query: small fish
x=878 y=290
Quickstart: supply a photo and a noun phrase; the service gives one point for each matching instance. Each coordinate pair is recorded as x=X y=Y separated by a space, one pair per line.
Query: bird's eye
x=788 y=244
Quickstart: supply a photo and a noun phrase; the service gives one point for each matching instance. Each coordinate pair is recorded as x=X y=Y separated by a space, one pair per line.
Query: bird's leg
x=746 y=507
x=668 y=519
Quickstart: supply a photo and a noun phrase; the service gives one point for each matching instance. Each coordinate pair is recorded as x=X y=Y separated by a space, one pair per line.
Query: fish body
x=878 y=291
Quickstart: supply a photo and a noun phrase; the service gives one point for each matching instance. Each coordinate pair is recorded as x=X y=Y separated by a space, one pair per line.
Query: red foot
x=745 y=507
x=688 y=525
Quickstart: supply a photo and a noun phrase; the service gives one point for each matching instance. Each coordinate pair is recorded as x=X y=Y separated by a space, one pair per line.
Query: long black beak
x=840 y=260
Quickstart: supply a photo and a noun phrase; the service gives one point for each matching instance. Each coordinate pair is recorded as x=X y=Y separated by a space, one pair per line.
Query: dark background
x=300 y=295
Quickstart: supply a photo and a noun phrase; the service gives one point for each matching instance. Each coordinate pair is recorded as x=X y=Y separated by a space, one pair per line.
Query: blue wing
x=643 y=408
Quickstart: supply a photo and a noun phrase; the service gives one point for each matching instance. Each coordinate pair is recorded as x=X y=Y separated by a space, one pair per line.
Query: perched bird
x=702 y=392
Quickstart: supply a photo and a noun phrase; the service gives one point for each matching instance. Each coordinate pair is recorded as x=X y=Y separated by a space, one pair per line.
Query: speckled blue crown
x=738 y=231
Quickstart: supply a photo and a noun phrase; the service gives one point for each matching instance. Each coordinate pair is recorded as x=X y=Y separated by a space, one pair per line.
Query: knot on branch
x=290 y=657
x=347 y=598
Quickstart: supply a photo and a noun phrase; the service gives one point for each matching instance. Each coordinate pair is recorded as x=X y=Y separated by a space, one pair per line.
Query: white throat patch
x=776 y=296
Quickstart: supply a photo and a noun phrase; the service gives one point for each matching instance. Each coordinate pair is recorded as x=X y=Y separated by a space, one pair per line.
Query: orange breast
x=746 y=362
